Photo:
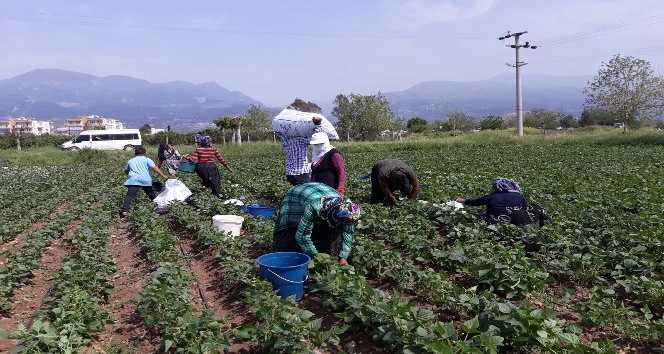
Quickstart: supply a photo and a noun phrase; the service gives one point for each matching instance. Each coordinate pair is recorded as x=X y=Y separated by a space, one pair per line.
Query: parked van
x=112 y=139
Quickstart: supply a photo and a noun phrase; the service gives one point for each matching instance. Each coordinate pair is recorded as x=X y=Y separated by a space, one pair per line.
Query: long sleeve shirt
x=301 y=208
x=207 y=154
x=297 y=149
x=498 y=200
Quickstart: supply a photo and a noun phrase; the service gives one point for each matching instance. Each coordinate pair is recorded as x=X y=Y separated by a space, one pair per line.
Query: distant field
x=424 y=279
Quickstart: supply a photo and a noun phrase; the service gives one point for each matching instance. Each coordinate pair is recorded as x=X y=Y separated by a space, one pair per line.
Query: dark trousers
x=132 y=192
x=298 y=179
x=377 y=193
x=325 y=239
x=210 y=176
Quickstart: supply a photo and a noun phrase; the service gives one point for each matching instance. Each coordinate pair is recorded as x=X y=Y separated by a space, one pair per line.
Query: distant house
x=74 y=126
x=392 y=133
x=25 y=125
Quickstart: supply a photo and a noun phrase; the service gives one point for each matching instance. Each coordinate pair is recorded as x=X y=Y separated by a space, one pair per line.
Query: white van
x=112 y=139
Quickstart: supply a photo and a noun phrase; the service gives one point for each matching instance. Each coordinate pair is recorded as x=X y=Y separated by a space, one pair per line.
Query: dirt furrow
x=131 y=275
x=29 y=298
x=16 y=244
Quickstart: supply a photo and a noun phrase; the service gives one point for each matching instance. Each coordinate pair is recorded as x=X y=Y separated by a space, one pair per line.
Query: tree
x=458 y=120
x=568 y=121
x=231 y=122
x=628 y=87
x=258 y=117
x=145 y=129
x=417 y=124
x=597 y=116
x=492 y=122
x=362 y=117
x=302 y=106
x=543 y=119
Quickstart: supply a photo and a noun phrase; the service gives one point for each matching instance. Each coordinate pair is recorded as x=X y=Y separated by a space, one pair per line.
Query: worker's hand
x=343 y=261
x=317 y=120
x=459 y=200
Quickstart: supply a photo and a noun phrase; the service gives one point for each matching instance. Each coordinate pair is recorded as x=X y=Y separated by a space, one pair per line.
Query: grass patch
x=505 y=138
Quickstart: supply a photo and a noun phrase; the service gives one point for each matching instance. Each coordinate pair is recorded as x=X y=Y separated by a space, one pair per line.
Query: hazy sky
x=275 y=51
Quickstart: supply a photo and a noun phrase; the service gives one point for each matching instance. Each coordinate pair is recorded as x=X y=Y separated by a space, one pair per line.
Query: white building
x=25 y=126
x=79 y=124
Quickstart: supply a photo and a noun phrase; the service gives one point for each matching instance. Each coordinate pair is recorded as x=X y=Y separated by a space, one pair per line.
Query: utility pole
x=517 y=65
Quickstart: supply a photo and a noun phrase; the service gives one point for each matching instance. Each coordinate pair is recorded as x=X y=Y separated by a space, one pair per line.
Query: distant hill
x=433 y=100
x=52 y=93
x=58 y=94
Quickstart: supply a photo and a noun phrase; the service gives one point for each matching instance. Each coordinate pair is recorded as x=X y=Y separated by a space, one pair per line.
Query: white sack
x=174 y=190
x=454 y=204
x=292 y=123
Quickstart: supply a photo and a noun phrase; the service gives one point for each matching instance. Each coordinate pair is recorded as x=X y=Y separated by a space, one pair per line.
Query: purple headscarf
x=505 y=185
x=207 y=141
x=340 y=210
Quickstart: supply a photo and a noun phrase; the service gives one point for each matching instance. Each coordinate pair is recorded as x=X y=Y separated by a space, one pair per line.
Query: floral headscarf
x=207 y=141
x=505 y=185
x=340 y=210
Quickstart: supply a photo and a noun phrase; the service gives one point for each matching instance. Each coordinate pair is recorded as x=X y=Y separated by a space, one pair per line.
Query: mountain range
x=52 y=94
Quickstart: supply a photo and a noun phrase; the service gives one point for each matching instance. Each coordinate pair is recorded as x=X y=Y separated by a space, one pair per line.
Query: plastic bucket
x=187 y=166
x=228 y=224
x=287 y=271
x=261 y=211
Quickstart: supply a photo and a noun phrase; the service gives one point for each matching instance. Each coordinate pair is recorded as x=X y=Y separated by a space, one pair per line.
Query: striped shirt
x=207 y=154
x=301 y=208
x=297 y=149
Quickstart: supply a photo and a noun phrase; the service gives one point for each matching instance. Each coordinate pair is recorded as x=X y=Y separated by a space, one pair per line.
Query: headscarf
x=207 y=141
x=340 y=210
x=320 y=145
x=505 y=185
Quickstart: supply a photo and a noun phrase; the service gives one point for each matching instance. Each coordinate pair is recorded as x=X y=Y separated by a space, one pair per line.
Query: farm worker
x=298 y=169
x=315 y=218
x=206 y=168
x=390 y=175
x=199 y=138
x=327 y=165
x=506 y=203
x=168 y=153
x=137 y=170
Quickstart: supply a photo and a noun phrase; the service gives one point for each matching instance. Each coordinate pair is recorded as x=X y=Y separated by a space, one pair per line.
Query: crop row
x=164 y=303
x=72 y=313
x=39 y=197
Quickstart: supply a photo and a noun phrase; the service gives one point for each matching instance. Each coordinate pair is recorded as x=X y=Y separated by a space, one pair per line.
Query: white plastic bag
x=173 y=190
x=292 y=123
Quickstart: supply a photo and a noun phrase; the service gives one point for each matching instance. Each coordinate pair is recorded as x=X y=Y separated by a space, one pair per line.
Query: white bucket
x=228 y=223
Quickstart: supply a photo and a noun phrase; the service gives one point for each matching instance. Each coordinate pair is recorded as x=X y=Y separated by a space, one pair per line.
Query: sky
x=276 y=51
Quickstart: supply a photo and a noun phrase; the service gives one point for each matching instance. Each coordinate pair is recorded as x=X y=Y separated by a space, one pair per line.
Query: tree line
x=625 y=90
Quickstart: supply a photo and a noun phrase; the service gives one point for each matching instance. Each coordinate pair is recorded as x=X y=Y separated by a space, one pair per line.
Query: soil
x=29 y=298
x=15 y=244
x=210 y=291
x=362 y=340
x=132 y=274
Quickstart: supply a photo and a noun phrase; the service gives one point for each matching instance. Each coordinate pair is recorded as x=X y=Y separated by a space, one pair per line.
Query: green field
x=424 y=279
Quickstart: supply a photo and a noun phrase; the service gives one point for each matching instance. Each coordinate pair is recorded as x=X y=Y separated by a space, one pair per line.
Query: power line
x=599 y=55
x=225 y=27
x=619 y=27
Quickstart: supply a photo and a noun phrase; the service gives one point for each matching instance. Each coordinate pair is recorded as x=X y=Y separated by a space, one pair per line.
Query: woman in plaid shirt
x=314 y=218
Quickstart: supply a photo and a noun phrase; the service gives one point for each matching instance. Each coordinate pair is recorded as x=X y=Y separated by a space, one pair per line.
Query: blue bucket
x=187 y=166
x=287 y=271
x=261 y=211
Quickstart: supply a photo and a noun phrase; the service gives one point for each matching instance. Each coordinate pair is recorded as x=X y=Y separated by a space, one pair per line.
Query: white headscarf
x=321 y=146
